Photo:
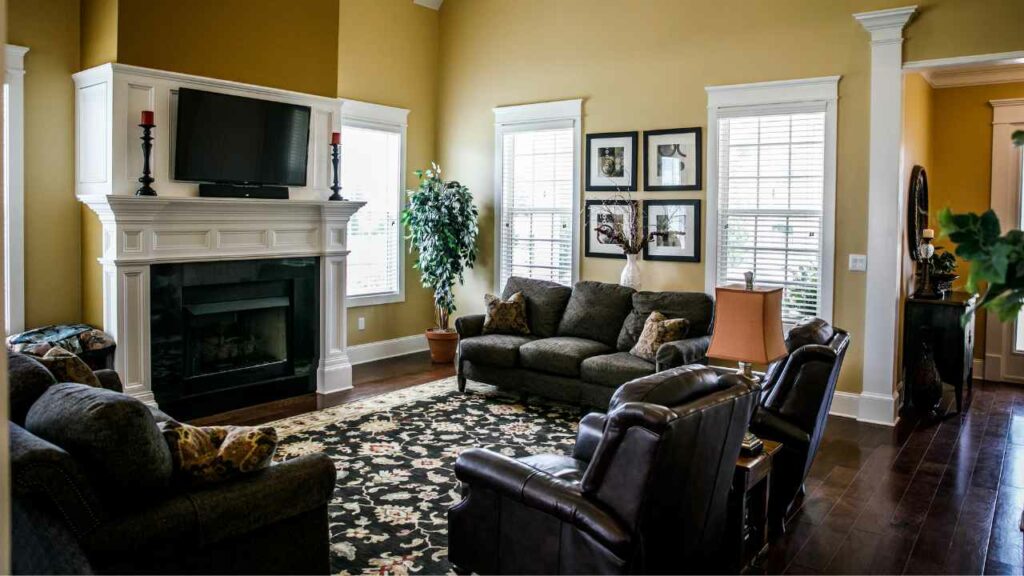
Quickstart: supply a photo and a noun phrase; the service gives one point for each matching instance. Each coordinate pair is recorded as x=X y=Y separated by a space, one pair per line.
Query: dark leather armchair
x=644 y=492
x=795 y=405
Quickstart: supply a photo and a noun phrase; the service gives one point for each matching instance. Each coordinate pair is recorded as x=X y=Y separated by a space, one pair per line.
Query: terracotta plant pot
x=443 y=345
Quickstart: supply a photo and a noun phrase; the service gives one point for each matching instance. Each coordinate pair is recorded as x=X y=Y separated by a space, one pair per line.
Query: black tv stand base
x=240 y=191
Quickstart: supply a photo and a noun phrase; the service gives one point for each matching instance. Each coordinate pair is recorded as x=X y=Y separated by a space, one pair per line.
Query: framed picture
x=600 y=213
x=673 y=227
x=611 y=162
x=672 y=159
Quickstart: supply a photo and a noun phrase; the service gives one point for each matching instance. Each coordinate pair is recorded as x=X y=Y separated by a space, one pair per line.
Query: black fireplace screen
x=233 y=335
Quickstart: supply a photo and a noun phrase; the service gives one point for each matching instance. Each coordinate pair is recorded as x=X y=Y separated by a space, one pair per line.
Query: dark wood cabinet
x=938 y=322
x=747 y=523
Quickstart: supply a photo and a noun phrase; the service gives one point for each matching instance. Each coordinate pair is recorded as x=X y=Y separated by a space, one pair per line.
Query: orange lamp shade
x=748 y=325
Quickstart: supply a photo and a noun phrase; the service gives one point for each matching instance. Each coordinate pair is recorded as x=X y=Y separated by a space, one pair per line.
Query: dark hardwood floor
x=924 y=497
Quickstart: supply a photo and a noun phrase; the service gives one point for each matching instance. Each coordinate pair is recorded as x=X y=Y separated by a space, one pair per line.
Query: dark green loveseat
x=578 y=349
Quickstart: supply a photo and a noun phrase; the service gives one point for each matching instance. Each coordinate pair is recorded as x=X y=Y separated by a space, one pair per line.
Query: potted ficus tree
x=440 y=222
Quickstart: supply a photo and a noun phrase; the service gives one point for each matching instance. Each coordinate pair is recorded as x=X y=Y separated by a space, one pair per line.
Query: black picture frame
x=588 y=215
x=698 y=135
x=594 y=139
x=695 y=234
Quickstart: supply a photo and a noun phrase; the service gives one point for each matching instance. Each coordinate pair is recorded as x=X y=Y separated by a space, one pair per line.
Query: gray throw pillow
x=111 y=435
x=596 y=311
x=545 y=303
x=697 y=307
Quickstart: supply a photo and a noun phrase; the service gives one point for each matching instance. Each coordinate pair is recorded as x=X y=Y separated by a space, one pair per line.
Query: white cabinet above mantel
x=110 y=98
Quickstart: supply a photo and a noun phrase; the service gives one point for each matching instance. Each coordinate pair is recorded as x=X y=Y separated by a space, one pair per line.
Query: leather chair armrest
x=470 y=325
x=682 y=352
x=767 y=424
x=109 y=380
x=563 y=500
x=589 y=436
x=45 y=472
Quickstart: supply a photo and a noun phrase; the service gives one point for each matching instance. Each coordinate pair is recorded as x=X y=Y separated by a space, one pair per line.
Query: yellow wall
x=52 y=231
x=387 y=54
x=99 y=32
x=644 y=65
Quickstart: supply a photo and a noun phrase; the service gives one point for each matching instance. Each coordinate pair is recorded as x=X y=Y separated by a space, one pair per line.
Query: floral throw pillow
x=206 y=454
x=657 y=331
x=66 y=367
x=506 y=316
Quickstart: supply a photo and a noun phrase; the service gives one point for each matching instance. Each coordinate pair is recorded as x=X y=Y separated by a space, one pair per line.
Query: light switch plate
x=858 y=262
x=362 y=322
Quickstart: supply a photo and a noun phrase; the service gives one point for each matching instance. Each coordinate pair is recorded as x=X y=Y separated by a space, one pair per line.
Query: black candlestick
x=147 y=147
x=336 y=162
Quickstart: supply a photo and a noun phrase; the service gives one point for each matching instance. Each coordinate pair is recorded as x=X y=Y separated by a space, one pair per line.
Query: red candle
x=147 y=117
x=336 y=138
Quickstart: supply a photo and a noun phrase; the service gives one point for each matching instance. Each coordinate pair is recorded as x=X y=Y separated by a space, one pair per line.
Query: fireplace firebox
x=225 y=335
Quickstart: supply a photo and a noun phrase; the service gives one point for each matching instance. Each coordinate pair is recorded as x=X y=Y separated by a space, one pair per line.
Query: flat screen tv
x=234 y=140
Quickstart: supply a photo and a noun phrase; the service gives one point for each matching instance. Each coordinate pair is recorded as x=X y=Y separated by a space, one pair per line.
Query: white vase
x=631 y=272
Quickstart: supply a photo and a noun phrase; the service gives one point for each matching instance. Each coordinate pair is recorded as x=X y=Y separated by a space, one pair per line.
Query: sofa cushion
x=506 y=316
x=208 y=454
x=113 y=436
x=657 y=331
x=545 y=303
x=67 y=367
x=596 y=311
x=559 y=355
x=28 y=379
x=696 y=307
x=614 y=370
x=494 y=349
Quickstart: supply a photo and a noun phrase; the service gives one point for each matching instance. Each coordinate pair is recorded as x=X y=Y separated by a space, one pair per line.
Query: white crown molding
x=14 y=58
x=373 y=113
x=1016 y=57
x=974 y=77
x=432 y=4
x=540 y=112
x=774 y=92
x=886 y=26
x=1007 y=111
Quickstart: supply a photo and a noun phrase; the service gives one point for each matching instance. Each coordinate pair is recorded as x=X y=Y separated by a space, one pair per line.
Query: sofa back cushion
x=545 y=303
x=28 y=380
x=112 y=436
x=596 y=311
x=696 y=307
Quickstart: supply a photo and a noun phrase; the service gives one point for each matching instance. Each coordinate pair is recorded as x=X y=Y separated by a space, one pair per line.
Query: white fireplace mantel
x=141 y=231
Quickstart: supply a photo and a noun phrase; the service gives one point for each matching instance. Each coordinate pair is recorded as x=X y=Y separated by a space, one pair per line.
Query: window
x=373 y=156
x=537 y=182
x=771 y=194
x=14 y=182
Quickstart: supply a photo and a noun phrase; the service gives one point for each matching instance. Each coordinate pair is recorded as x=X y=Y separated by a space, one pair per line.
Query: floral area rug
x=395 y=455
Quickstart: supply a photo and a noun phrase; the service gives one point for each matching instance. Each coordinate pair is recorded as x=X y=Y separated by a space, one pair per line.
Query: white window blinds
x=537 y=189
x=372 y=173
x=771 y=200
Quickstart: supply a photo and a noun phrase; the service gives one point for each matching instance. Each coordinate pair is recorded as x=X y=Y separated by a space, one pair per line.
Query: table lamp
x=748 y=325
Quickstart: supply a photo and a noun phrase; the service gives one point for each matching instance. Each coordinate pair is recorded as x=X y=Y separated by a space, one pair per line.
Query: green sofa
x=578 y=348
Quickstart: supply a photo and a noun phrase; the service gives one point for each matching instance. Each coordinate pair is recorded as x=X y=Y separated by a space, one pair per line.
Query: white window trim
x=722 y=100
x=14 y=224
x=390 y=119
x=535 y=116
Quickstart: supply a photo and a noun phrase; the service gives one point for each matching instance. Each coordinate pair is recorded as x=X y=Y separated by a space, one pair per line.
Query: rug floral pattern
x=395 y=456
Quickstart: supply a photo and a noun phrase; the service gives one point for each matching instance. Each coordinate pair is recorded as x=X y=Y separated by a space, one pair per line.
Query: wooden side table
x=747 y=523
x=951 y=342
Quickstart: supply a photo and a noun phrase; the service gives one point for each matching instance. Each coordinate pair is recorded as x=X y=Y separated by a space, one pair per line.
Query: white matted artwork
x=612 y=162
x=673 y=230
x=604 y=216
x=672 y=159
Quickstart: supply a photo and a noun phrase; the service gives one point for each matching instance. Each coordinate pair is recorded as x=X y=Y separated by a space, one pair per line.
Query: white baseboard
x=870 y=408
x=979 y=369
x=362 y=353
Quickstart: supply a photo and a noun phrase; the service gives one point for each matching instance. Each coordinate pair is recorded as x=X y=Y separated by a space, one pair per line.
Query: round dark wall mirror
x=917 y=210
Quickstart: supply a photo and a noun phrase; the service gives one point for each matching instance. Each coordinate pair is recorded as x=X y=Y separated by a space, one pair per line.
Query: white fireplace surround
x=178 y=226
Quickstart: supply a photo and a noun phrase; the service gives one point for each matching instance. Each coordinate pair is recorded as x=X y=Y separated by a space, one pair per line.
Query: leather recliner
x=645 y=490
x=794 y=408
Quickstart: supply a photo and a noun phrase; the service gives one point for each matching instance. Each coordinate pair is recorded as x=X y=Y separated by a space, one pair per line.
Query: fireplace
x=225 y=335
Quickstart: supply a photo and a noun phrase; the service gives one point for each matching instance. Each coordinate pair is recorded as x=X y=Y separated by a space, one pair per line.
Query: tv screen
x=235 y=140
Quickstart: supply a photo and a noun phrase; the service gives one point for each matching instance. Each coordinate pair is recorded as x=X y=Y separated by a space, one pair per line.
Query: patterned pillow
x=207 y=454
x=66 y=367
x=657 y=331
x=506 y=316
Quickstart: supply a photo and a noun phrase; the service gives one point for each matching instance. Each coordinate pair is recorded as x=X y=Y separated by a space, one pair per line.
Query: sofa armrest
x=683 y=352
x=518 y=482
x=208 y=515
x=45 y=472
x=589 y=436
x=470 y=325
x=109 y=380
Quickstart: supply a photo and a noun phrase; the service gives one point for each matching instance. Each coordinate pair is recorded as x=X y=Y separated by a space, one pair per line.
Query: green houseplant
x=440 y=223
